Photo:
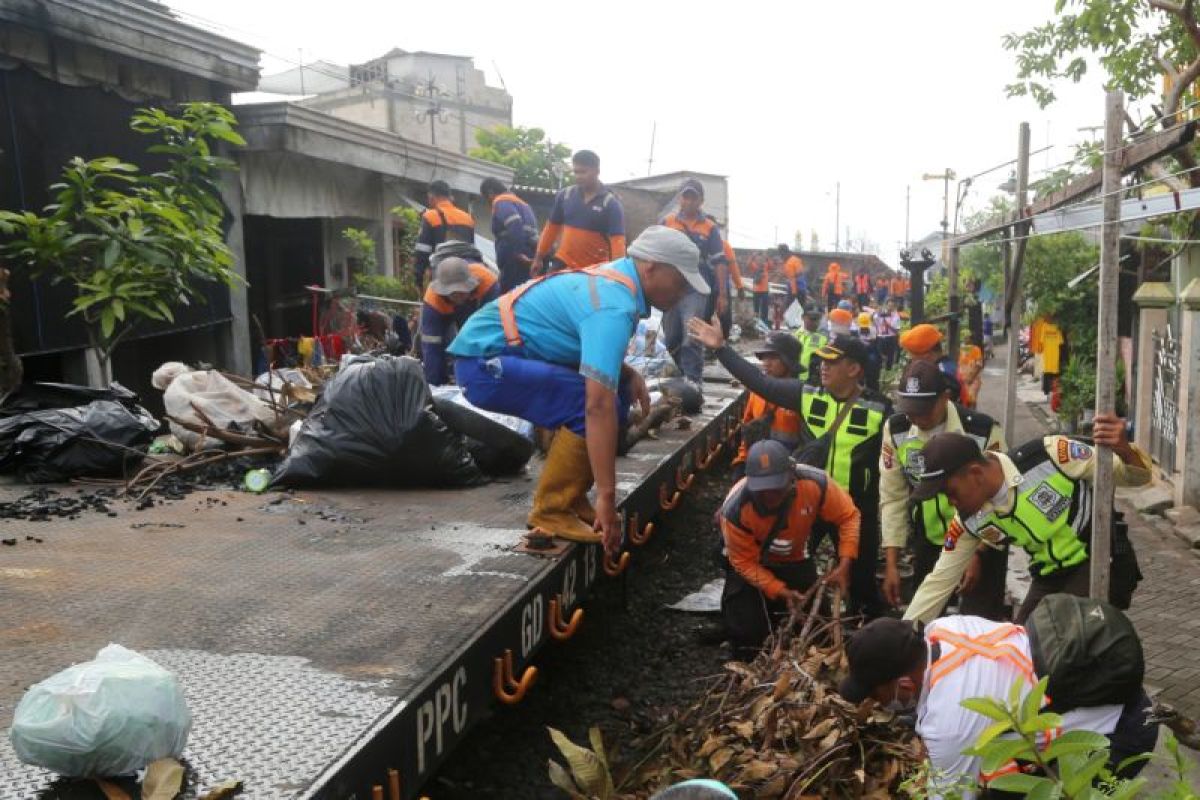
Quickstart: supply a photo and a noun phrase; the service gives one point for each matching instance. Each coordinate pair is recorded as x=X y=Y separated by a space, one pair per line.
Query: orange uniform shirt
x=731 y=258
x=793 y=268
x=785 y=423
x=487 y=279
x=745 y=530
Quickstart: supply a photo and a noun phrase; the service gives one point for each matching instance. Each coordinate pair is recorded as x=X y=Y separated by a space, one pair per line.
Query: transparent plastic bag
x=110 y=716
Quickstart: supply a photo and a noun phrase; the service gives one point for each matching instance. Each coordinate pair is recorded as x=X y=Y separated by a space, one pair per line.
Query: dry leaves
x=777 y=729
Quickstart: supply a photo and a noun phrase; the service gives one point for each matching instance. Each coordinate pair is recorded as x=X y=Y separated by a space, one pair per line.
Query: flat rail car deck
x=323 y=638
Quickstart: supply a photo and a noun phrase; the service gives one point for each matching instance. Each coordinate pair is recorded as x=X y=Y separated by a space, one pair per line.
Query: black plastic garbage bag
x=40 y=395
x=497 y=450
x=373 y=425
x=103 y=439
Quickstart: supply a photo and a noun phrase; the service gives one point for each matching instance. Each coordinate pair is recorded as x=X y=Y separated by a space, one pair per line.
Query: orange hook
x=683 y=484
x=509 y=691
x=642 y=535
x=710 y=456
x=614 y=567
x=560 y=629
x=663 y=502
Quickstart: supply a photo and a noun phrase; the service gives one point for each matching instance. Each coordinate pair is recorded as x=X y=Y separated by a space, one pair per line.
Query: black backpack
x=1088 y=649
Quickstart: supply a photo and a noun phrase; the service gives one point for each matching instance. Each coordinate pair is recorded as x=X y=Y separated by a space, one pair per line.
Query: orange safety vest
x=993 y=647
x=508 y=317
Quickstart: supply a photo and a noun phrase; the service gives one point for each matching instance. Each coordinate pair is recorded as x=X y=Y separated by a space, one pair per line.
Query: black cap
x=920 y=387
x=845 y=347
x=881 y=651
x=943 y=455
x=768 y=466
x=439 y=189
x=785 y=346
x=692 y=185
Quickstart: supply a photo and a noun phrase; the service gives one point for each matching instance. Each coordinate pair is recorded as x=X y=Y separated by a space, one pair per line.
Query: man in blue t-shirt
x=552 y=352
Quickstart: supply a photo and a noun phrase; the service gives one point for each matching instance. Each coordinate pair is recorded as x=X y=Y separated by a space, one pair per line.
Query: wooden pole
x=1012 y=291
x=1106 y=340
x=953 y=301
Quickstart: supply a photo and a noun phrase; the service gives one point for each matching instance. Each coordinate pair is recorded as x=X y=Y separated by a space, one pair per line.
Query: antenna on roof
x=650 y=161
x=496 y=67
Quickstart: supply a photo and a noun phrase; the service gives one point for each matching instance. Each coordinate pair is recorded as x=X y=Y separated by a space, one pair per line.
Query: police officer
x=811 y=339
x=843 y=429
x=925 y=408
x=1039 y=499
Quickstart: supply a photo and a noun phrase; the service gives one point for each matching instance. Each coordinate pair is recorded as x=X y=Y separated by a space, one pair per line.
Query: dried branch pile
x=776 y=728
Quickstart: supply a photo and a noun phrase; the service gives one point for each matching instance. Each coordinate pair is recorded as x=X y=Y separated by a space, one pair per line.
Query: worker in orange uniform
x=441 y=222
x=514 y=229
x=734 y=284
x=760 y=278
x=691 y=221
x=862 y=288
x=780 y=358
x=834 y=286
x=587 y=223
x=793 y=270
x=459 y=288
x=896 y=290
x=765 y=523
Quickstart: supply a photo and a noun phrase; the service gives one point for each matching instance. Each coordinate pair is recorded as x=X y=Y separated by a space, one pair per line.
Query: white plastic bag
x=228 y=406
x=111 y=716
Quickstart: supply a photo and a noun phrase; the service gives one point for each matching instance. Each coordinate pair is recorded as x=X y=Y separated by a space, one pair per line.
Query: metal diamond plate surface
x=295 y=621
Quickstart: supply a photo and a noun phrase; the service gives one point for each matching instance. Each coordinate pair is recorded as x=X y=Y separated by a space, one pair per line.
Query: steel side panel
x=321 y=639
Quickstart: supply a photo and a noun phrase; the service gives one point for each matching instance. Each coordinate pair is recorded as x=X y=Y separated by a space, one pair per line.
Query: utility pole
x=435 y=111
x=650 y=161
x=907 y=215
x=945 y=177
x=1106 y=343
x=837 y=219
x=1012 y=287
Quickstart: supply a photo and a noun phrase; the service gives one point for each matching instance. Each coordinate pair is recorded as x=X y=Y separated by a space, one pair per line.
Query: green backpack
x=1088 y=649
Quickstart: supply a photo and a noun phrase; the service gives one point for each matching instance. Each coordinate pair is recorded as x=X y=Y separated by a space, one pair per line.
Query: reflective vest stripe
x=990 y=646
x=508 y=317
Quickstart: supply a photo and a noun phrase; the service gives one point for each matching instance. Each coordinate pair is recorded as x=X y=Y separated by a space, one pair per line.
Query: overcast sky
x=786 y=99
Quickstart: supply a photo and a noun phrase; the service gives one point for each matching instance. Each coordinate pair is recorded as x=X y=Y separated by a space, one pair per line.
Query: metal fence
x=1164 y=414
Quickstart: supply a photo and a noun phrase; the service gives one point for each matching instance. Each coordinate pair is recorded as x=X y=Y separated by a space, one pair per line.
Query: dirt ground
x=632 y=661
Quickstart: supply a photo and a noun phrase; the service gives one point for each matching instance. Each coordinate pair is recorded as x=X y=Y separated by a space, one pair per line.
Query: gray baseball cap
x=768 y=466
x=669 y=246
x=453 y=275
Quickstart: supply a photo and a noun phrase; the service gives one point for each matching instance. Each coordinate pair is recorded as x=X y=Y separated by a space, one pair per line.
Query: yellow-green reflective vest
x=932 y=518
x=1051 y=519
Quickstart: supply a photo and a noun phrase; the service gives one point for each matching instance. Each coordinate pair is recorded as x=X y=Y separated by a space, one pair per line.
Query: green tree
x=362 y=248
x=1136 y=43
x=534 y=160
x=134 y=245
x=1050 y=263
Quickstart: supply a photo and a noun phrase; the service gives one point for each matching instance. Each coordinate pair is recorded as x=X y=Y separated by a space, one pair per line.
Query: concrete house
x=395 y=92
